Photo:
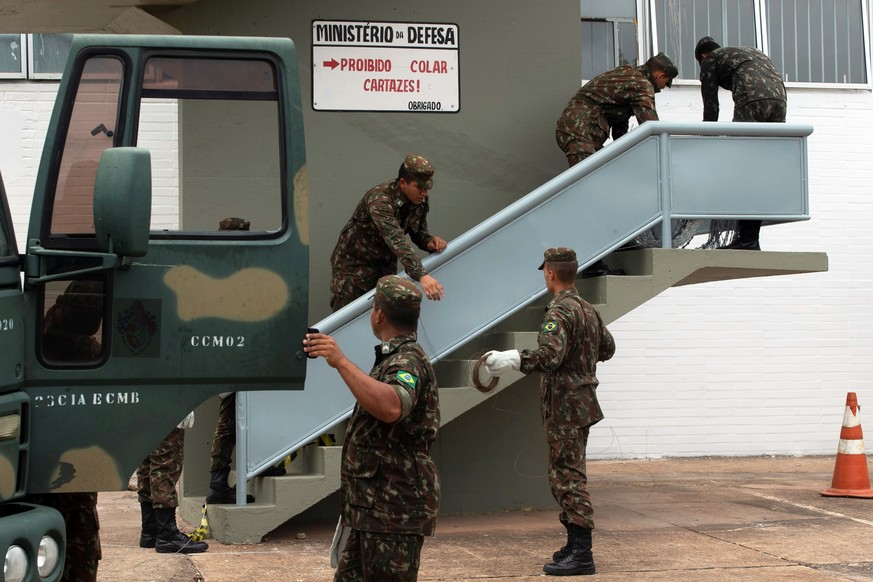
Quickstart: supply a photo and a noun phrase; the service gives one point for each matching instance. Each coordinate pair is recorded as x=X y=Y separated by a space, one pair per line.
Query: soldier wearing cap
x=388 y=441
x=758 y=94
x=224 y=437
x=606 y=103
x=375 y=236
x=70 y=327
x=570 y=342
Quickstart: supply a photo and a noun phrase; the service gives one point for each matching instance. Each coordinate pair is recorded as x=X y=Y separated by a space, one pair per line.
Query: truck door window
x=214 y=132
x=91 y=129
x=72 y=323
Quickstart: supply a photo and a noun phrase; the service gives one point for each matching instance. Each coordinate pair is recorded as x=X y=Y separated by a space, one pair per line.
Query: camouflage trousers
x=577 y=148
x=224 y=439
x=762 y=110
x=345 y=287
x=568 y=479
x=379 y=557
x=158 y=474
x=79 y=511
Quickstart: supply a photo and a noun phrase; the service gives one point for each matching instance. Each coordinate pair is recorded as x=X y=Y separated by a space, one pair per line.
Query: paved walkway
x=707 y=520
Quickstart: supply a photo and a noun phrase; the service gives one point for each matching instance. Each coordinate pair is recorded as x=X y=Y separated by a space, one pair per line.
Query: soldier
x=224 y=438
x=758 y=93
x=571 y=341
x=156 y=480
x=375 y=236
x=606 y=103
x=68 y=336
x=390 y=486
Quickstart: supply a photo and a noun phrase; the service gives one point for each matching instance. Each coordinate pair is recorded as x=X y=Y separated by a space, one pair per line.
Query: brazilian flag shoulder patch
x=550 y=327
x=407 y=378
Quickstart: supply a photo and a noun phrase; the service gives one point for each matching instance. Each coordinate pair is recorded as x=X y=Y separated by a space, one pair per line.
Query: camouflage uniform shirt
x=570 y=343
x=744 y=71
x=389 y=481
x=375 y=237
x=606 y=101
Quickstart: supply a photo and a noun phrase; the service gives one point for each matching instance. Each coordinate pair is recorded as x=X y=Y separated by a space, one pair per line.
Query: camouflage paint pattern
x=389 y=558
x=158 y=474
x=374 y=239
x=390 y=483
x=604 y=104
x=571 y=341
x=749 y=75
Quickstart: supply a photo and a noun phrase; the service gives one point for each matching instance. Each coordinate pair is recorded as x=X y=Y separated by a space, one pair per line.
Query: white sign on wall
x=385 y=66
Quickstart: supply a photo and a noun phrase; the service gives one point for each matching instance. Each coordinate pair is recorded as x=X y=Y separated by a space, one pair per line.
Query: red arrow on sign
x=332 y=63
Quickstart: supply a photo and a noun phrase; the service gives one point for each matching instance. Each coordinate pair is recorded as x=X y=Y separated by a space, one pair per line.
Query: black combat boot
x=599 y=269
x=564 y=551
x=169 y=539
x=580 y=561
x=220 y=492
x=149 y=526
x=747 y=236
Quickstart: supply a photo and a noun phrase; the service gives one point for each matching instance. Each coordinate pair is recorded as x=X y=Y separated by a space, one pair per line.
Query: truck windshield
x=92 y=125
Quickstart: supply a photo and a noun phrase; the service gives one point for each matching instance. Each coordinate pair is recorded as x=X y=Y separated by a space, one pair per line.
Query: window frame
x=762 y=41
x=616 y=22
x=27 y=69
x=22 y=68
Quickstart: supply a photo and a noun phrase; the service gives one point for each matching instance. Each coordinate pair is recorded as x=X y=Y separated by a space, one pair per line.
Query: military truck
x=128 y=307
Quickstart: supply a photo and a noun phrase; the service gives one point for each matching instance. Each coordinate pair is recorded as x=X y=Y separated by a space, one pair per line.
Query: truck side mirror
x=123 y=201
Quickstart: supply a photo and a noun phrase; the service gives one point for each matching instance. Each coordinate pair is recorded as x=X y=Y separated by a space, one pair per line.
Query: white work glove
x=498 y=363
x=187 y=422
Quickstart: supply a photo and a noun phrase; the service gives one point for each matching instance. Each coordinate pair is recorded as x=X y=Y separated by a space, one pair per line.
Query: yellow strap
x=203 y=529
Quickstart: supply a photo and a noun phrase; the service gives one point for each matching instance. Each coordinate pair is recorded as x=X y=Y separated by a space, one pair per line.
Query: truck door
x=125 y=346
x=12 y=442
x=11 y=302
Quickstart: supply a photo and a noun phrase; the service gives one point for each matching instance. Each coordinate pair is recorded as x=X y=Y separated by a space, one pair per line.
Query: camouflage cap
x=421 y=169
x=664 y=63
x=705 y=45
x=558 y=255
x=233 y=223
x=397 y=291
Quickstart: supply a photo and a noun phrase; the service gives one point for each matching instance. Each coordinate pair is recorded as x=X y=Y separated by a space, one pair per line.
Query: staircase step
x=278 y=499
x=650 y=272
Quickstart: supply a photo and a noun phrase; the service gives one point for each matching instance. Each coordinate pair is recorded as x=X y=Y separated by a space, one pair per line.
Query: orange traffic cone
x=850 y=473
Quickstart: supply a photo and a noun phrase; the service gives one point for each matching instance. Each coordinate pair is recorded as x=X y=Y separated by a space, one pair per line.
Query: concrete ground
x=708 y=520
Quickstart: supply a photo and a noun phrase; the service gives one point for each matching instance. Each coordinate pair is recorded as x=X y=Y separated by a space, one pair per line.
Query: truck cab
x=128 y=305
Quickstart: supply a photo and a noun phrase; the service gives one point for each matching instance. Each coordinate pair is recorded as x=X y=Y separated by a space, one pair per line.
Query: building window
x=817 y=41
x=12 y=56
x=618 y=35
x=809 y=41
x=680 y=23
x=33 y=56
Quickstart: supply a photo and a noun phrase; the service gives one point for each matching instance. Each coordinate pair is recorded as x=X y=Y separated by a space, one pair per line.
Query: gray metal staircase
x=495 y=295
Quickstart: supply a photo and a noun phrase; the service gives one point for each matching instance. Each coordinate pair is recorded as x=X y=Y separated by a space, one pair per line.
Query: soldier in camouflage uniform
x=375 y=236
x=571 y=341
x=758 y=94
x=606 y=103
x=224 y=437
x=156 y=480
x=68 y=336
x=390 y=485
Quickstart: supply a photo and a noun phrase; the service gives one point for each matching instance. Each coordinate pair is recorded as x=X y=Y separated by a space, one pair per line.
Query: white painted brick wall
x=759 y=366
x=729 y=368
